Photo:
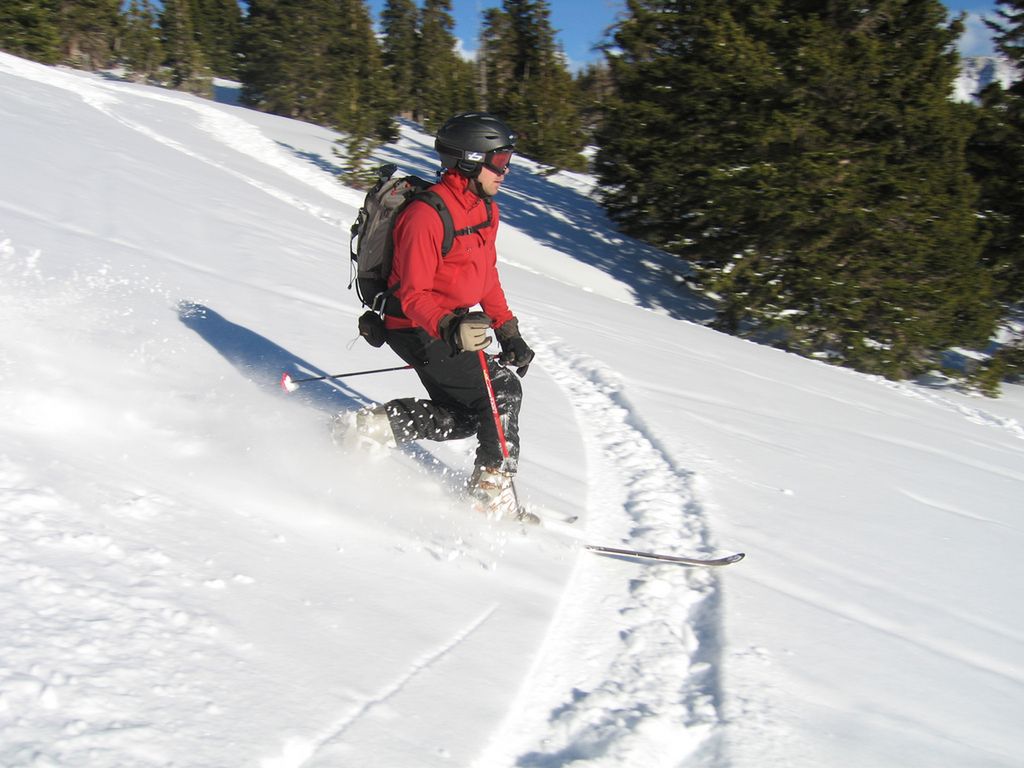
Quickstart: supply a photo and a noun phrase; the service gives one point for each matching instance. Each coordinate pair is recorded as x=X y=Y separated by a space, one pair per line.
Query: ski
x=656 y=556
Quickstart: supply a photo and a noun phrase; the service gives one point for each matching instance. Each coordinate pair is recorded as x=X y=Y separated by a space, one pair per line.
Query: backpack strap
x=435 y=201
x=481 y=225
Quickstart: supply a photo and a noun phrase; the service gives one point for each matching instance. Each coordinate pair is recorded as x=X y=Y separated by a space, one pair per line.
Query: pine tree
x=810 y=161
x=877 y=258
x=290 y=64
x=184 y=57
x=692 y=94
x=437 y=67
x=996 y=153
x=319 y=61
x=262 y=49
x=28 y=28
x=497 y=56
x=398 y=24
x=88 y=29
x=217 y=25
x=528 y=82
x=593 y=89
x=141 y=49
x=1008 y=27
x=465 y=85
x=364 y=98
x=553 y=128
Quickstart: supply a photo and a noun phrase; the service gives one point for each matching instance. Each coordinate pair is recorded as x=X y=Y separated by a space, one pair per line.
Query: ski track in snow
x=974 y=415
x=629 y=672
x=299 y=752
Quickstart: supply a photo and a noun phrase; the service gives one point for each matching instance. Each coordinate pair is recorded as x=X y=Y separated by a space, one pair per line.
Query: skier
x=434 y=326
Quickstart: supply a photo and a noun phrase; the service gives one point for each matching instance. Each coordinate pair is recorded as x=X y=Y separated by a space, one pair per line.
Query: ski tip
x=287 y=384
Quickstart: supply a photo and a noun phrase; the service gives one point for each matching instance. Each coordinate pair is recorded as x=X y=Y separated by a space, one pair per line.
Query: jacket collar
x=461 y=188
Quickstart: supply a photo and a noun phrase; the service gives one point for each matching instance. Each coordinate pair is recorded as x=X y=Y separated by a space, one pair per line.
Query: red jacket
x=432 y=286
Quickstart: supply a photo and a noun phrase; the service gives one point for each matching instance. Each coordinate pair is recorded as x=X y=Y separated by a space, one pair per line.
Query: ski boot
x=493 y=495
x=367 y=429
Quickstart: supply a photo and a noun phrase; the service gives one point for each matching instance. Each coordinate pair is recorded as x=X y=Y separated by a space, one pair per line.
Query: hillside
x=192 y=575
x=978 y=72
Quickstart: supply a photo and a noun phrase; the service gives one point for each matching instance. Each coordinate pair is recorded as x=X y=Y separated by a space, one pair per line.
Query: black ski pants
x=459 y=405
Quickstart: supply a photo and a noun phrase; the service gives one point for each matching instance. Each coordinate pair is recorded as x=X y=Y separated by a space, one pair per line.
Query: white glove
x=467 y=333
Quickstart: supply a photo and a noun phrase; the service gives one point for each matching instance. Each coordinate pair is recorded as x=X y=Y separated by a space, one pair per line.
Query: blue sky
x=581 y=24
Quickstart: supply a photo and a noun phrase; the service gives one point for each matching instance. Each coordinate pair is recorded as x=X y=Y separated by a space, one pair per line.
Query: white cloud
x=462 y=51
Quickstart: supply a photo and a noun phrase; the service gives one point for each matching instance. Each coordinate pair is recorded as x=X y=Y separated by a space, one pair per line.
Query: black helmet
x=465 y=140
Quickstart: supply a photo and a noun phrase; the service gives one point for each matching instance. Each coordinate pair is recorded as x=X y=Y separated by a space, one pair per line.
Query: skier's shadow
x=263 y=362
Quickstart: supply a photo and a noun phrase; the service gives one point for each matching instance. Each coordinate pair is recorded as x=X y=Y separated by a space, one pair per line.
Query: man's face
x=490 y=182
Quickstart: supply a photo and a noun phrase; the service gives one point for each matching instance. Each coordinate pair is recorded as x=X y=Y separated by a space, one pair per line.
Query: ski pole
x=494 y=404
x=288 y=384
x=497 y=423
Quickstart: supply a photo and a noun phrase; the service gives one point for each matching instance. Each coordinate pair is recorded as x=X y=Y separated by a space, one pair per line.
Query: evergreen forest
x=805 y=160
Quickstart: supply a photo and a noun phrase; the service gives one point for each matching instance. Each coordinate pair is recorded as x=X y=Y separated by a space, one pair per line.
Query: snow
x=977 y=72
x=192 y=575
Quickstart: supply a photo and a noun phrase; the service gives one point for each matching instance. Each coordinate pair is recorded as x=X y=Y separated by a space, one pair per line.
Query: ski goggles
x=499 y=160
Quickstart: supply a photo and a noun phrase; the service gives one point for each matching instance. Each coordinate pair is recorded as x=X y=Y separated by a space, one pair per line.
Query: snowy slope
x=977 y=72
x=191 y=574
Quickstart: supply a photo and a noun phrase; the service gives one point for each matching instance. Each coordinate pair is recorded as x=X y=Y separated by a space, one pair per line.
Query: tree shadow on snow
x=563 y=218
x=263 y=362
x=315 y=158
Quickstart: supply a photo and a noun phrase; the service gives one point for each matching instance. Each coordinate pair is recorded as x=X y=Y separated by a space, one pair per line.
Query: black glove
x=465 y=333
x=371 y=328
x=514 y=351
